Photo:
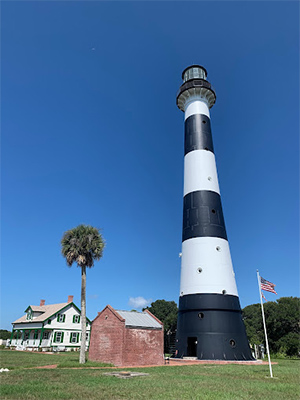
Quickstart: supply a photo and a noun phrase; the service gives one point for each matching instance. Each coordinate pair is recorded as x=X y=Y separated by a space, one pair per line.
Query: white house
x=49 y=327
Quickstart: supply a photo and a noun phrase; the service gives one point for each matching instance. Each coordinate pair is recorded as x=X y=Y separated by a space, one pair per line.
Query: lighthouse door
x=192 y=347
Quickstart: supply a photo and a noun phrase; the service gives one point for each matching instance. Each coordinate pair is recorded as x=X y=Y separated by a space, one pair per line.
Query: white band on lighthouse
x=206 y=267
x=206 y=178
x=196 y=105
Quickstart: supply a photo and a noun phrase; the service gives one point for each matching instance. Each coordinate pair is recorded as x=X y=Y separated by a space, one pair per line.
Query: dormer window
x=29 y=314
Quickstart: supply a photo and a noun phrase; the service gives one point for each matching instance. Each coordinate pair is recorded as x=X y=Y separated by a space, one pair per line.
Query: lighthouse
x=210 y=324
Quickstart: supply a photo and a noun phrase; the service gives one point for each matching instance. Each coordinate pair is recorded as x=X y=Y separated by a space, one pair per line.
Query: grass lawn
x=193 y=382
x=20 y=359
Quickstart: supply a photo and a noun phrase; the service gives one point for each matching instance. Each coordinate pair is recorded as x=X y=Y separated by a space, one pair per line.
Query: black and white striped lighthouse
x=210 y=325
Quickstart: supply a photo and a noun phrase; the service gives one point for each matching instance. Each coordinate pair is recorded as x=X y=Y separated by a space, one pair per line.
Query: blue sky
x=91 y=134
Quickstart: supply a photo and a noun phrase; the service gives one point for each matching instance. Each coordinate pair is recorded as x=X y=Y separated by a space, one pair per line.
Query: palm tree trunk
x=83 y=315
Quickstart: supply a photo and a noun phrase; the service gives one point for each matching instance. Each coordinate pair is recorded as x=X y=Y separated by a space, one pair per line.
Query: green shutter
x=71 y=335
x=79 y=319
x=62 y=337
x=64 y=317
x=73 y=319
x=54 y=340
x=57 y=317
x=77 y=338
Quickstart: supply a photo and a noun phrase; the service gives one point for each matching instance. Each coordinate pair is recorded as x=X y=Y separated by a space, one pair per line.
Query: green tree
x=82 y=245
x=253 y=323
x=282 y=322
x=4 y=334
x=166 y=312
x=289 y=344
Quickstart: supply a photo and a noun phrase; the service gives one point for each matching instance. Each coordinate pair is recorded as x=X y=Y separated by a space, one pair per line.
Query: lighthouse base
x=210 y=327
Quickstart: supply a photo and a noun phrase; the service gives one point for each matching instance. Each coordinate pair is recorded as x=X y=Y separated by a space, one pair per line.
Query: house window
x=61 y=318
x=76 y=319
x=26 y=336
x=74 y=337
x=59 y=337
x=46 y=335
x=35 y=335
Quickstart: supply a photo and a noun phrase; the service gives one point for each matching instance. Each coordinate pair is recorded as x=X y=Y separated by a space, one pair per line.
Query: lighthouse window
x=204 y=122
x=199 y=270
x=224 y=291
x=213 y=211
x=209 y=178
x=201 y=315
x=232 y=342
x=218 y=248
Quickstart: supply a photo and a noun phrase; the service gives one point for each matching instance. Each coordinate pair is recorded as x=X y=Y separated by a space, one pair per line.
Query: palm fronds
x=82 y=245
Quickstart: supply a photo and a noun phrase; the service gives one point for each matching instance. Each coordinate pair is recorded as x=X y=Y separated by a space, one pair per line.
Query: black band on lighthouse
x=203 y=215
x=198 y=134
x=211 y=328
x=207 y=301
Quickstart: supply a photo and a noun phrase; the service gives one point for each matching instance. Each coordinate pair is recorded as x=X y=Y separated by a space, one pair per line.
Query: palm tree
x=82 y=245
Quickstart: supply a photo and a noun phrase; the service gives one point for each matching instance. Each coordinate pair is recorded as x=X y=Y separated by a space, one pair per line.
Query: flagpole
x=264 y=322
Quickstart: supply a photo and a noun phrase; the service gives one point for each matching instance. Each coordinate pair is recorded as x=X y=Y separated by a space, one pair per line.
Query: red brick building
x=127 y=338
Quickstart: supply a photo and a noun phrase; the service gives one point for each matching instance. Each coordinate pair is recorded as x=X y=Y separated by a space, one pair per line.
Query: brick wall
x=107 y=337
x=143 y=347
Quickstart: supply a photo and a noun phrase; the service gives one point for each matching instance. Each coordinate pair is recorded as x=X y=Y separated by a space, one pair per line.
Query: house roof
x=139 y=319
x=48 y=311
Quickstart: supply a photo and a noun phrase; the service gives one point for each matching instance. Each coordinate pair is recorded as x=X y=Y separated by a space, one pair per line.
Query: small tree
x=82 y=245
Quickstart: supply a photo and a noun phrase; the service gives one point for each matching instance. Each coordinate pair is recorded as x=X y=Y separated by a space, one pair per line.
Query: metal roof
x=139 y=319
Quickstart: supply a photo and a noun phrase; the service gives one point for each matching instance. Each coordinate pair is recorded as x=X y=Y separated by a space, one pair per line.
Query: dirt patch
x=179 y=361
x=171 y=363
x=47 y=366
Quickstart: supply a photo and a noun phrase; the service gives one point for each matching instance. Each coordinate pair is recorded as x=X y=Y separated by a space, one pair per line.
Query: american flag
x=267 y=286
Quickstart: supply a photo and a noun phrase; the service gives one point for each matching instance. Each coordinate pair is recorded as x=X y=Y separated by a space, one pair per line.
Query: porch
x=30 y=339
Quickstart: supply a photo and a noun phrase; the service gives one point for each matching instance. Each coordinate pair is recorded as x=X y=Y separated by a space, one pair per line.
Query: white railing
x=16 y=342
x=46 y=343
x=30 y=343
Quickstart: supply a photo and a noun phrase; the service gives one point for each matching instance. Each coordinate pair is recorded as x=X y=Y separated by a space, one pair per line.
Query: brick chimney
x=70 y=299
x=42 y=303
